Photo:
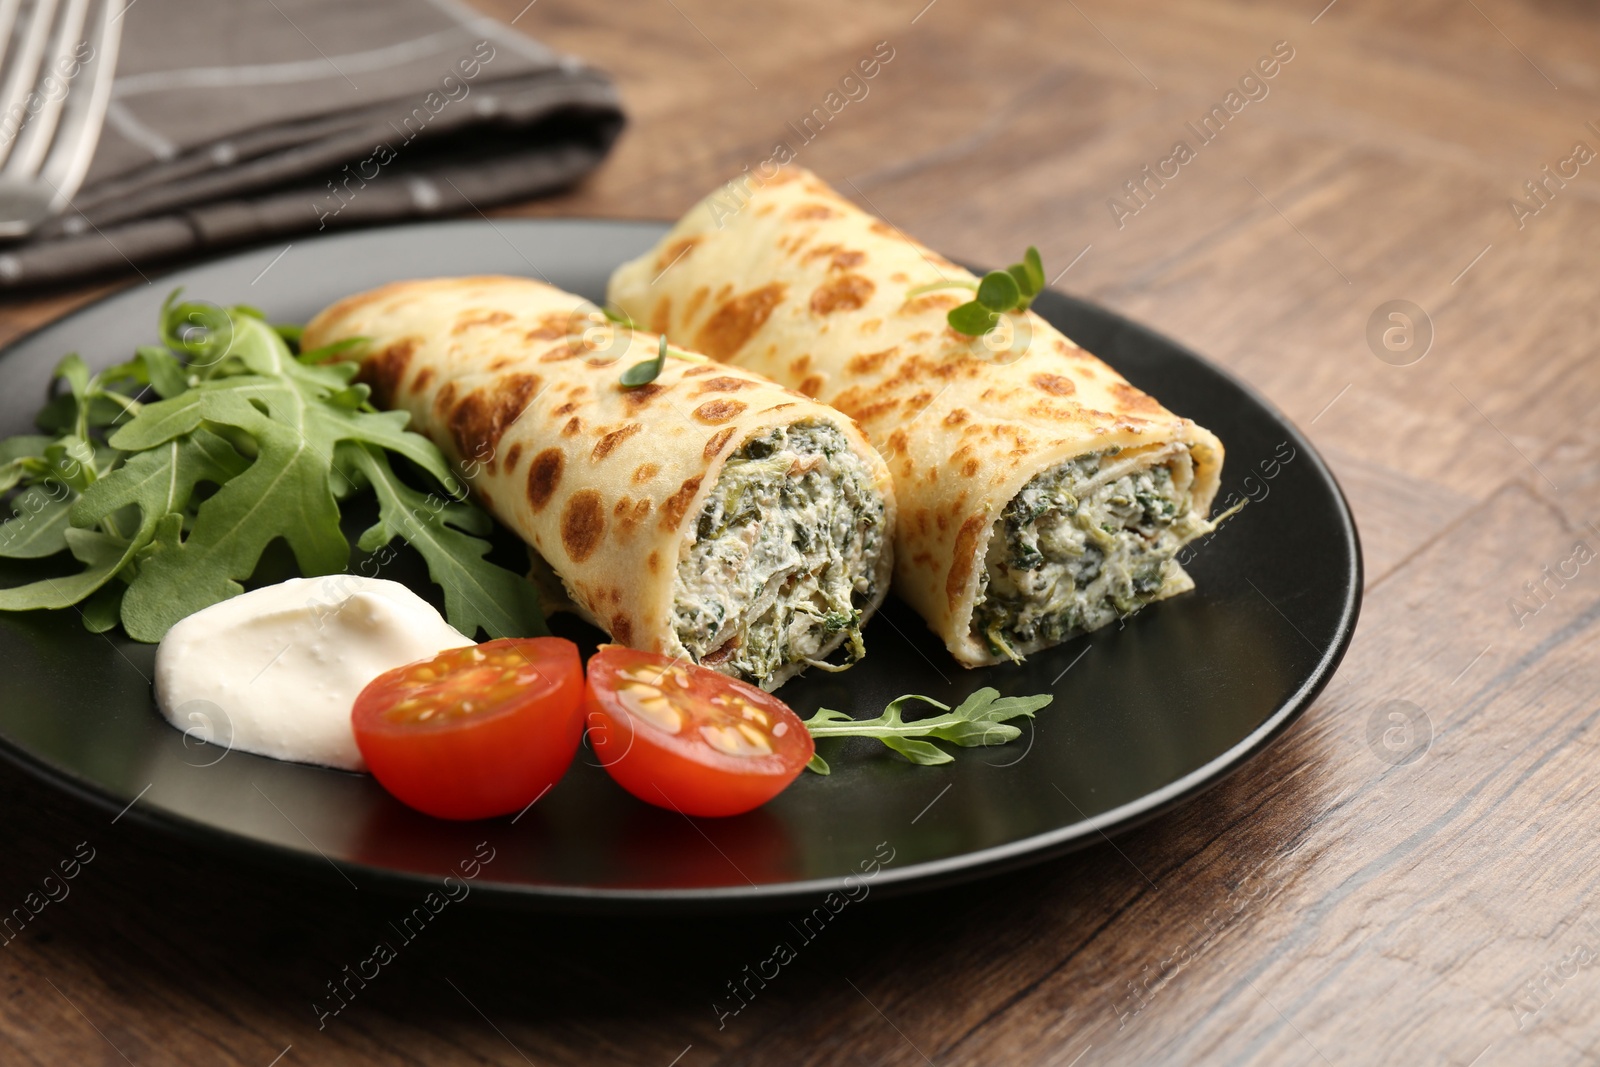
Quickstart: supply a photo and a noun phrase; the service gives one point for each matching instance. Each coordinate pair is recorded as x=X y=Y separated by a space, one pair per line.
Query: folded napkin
x=251 y=120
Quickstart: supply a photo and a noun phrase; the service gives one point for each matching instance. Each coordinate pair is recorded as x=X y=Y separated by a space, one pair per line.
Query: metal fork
x=55 y=82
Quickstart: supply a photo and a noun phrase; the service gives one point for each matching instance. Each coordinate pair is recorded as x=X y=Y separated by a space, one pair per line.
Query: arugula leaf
x=235 y=408
x=477 y=593
x=64 y=467
x=102 y=610
x=159 y=482
x=284 y=493
x=326 y=353
x=981 y=719
x=75 y=372
x=39 y=528
x=163 y=371
x=104 y=556
x=15 y=453
x=296 y=416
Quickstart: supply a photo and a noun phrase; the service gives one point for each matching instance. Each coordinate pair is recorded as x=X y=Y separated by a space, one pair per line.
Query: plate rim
x=889 y=881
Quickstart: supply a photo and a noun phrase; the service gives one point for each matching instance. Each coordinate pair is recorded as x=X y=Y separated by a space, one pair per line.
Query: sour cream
x=275 y=671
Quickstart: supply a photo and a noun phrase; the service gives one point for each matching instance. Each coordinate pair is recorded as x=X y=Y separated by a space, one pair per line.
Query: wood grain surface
x=1327 y=905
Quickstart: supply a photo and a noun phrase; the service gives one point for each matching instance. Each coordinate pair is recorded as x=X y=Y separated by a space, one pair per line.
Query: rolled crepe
x=710 y=513
x=1041 y=495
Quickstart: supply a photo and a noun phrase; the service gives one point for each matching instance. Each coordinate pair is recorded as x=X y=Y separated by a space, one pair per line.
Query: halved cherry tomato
x=476 y=731
x=684 y=737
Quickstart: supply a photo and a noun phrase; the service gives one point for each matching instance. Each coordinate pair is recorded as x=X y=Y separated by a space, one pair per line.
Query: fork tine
x=85 y=112
x=23 y=72
x=52 y=89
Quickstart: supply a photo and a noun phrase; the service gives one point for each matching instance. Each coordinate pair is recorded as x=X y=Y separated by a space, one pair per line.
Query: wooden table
x=1326 y=905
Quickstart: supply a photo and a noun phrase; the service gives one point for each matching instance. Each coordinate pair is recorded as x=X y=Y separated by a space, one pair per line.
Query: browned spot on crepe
x=717 y=441
x=674 y=252
x=812 y=211
x=610 y=441
x=346 y=308
x=727 y=330
x=644 y=472
x=477 y=422
x=870 y=362
x=715 y=411
x=696 y=300
x=629 y=514
x=583 y=524
x=848 y=293
x=821 y=251
x=470 y=319
x=966 y=551
x=544 y=476
x=723 y=385
x=661 y=317
x=384 y=371
x=677 y=505
x=870 y=412
x=1133 y=400
x=1054 y=384
x=932 y=302
x=641 y=396
x=621 y=628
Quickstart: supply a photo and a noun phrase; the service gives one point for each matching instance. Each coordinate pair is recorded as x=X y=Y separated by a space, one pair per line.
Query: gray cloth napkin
x=235 y=121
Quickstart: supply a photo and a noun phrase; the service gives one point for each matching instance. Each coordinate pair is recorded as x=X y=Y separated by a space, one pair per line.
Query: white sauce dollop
x=276 y=671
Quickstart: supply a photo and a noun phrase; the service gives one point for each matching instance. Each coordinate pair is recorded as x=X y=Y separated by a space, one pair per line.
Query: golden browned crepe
x=1019 y=460
x=710 y=513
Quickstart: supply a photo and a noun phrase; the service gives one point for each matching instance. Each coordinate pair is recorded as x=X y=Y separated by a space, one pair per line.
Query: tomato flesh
x=474 y=732
x=684 y=737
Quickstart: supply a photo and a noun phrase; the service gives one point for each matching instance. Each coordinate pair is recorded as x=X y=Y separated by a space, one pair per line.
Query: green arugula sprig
x=998 y=292
x=169 y=504
x=647 y=371
x=981 y=719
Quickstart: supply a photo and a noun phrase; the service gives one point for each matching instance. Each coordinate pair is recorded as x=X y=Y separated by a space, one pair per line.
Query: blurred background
x=1433 y=161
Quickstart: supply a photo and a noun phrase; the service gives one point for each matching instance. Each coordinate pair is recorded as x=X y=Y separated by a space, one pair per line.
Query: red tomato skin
x=486 y=764
x=682 y=773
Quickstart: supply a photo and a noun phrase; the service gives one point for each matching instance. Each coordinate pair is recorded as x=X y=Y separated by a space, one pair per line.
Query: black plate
x=1146 y=715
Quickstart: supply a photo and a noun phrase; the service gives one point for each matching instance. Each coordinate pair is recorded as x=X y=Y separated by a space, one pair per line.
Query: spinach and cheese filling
x=785 y=556
x=1083 y=544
